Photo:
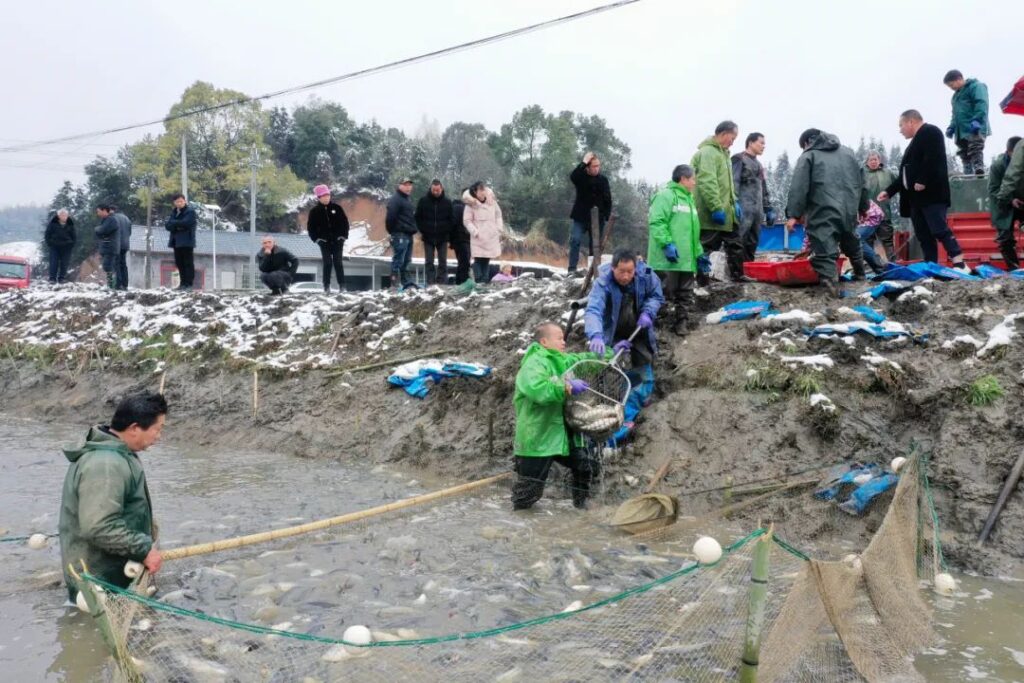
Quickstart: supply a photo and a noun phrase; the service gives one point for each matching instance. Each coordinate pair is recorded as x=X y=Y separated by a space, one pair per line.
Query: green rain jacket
x=827 y=186
x=970 y=103
x=1012 y=186
x=673 y=219
x=1002 y=216
x=106 y=517
x=539 y=399
x=877 y=182
x=715 y=189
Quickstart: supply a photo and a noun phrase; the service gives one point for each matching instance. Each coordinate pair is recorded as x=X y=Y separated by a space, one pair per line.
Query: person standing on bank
x=717 y=207
x=181 y=225
x=752 y=190
x=461 y=239
x=435 y=219
x=484 y=221
x=592 y=189
x=60 y=239
x=1004 y=216
x=108 y=242
x=277 y=266
x=673 y=247
x=327 y=226
x=400 y=222
x=124 y=238
x=877 y=178
x=923 y=186
x=969 y=126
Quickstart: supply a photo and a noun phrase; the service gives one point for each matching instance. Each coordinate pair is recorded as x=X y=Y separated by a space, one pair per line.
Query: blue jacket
x=606 y=300
x=182 y=226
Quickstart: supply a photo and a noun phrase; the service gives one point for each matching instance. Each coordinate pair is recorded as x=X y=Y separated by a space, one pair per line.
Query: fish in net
x=601 y=409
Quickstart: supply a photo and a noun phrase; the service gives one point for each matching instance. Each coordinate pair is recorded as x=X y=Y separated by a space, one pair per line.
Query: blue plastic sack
x=744 y=310
x=894 y=271
x=870 y=314
x=987 y=272
x=929 y=269
x=1017 y=274
x=857 y=327
x=867 y=492
x=846 y=476
x=888 y=288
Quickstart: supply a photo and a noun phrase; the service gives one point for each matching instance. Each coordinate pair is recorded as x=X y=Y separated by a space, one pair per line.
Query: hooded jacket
x=970 y=103
x=715 y=189
x=1012 y=186
x=435 y=218
x=828 y=186
x=484 y=222
x=607 y=298
x=751 y=188
x=327 y=222
x=672 y=219
x=60 y=236
x=106 y=517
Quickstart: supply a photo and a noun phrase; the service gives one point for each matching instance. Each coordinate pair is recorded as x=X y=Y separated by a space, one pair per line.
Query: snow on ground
x=29 y=251
x=817 y=362
x=1001 y=334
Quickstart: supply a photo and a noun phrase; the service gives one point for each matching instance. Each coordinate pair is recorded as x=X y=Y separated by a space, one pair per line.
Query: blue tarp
x=773 y=236
x=887 y=288
x=857 y=327
x=917 y=271
x=867 y=492
x=419 y=385
x=744 y=310
x=870 y=314
x=988 y=272
x=1017 y=274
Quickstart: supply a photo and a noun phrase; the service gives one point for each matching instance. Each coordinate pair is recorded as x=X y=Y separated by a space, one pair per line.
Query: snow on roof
x=30 y=251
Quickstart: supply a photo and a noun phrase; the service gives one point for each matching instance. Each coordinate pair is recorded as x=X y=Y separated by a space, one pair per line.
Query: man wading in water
x=106 y=517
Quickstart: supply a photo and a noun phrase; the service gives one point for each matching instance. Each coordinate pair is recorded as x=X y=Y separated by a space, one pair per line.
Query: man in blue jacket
x=182 y=226
x=626 y=295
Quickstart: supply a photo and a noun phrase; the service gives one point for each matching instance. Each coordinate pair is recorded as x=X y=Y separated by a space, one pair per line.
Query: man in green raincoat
x=1011 y=191
x=106 y=518
x=541 y=437
x=673 y=246
x=1004 y=217
x=719 y=212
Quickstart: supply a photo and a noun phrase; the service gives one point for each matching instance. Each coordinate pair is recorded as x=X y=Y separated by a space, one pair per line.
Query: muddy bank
x=733 y=400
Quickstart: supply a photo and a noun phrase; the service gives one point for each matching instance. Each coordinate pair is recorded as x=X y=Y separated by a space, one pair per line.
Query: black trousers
x=330 y=252
x=679 y=286
x=278 y=281
x=122 y=269
x=731 y=242
x=184 y=261
x=971 y=151
x=462 y=256
x=482 y=270
x=60 y=260
x=532 y=474
x=930 y=228
x=440 y=273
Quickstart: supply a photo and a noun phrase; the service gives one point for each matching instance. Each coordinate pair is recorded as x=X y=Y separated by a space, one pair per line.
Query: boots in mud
x=857 y=261
x=1009 y=253
x=831 y=287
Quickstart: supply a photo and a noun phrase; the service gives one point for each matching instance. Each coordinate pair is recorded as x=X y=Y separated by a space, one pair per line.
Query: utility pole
x=149 y=231
x=254 y=163
x=184 y=168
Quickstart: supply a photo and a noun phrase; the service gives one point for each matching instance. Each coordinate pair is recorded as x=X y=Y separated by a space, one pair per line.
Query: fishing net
x=600 y=410
x=852 y=620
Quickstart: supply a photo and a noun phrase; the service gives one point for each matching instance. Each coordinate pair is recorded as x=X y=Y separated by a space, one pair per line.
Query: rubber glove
x=769 y=216
x=975 y=127
x=671 y=253
x=950 y=132
x=577 y=387
x=622 y=346
x=739 y=212
x=703 y=264
x=596 y=345
x=718 y=217
x=645 y=321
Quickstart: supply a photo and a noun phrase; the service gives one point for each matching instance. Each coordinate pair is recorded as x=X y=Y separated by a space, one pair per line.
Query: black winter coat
x=124 y=229
x=924 y=162
x=435 y=218
x=108 y=236
x=182 y=226
x=278 y=259
x=58 y=235
x=401 y=215
x=460 y=233
x=591 y=191
x=327 y=222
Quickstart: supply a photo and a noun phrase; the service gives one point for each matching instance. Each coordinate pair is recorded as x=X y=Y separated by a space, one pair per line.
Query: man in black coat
x=182 y=226
x=461 y=240
x=60 y=239
x=328 y=228
x=277 y=266
x=400 y=222
x=923 y=186
x=435 y=218
x=108 y=242
x=592 y=189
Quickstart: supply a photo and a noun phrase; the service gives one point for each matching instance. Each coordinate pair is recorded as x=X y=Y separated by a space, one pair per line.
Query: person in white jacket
x=484 y=222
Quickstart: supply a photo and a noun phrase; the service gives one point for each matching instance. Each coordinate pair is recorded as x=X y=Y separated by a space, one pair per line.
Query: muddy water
x=465 y=564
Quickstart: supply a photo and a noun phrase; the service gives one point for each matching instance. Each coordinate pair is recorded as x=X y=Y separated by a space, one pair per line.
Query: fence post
x=118 y=649
x=755 y=616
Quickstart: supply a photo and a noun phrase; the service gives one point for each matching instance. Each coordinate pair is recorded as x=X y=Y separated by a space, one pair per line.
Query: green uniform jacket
x=970 y=103
x=1002 y=216
x=673 y=219
x=539 y=400
x=105 y=514
x=828 y=187
x=876 y=182
x=715 y=189
x=1013 y=181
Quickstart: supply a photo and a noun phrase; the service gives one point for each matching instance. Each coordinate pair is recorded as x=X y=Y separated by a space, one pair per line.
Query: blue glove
x=739 y=212
x=703 y=264
x=596 y=345
x=622 y=346
x=769 y=216
x=577 y=387
x=950 y=132
x=645 y=321
x=718 y=217
x=975 y=127
x=671 y=253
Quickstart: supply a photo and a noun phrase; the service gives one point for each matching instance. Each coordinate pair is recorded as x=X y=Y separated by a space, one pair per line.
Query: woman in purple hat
x=328 y=228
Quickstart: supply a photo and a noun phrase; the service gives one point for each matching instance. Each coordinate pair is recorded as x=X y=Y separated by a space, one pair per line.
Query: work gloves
x=769 y=216
x=622 y=346
x=703 y=264
x=718 y=217
x=645 y=321
x=975 y=127
x=671 y=253
x=739 y=212
x=577 y=387
x=596 y=345
x=950 y=132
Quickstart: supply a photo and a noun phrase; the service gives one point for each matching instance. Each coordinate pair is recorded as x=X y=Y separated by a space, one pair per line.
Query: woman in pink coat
x=484 y=222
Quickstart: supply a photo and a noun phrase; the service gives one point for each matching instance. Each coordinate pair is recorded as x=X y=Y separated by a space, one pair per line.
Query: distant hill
x=22 y=223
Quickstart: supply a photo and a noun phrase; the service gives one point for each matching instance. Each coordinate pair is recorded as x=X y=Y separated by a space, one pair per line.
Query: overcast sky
x=662 y=72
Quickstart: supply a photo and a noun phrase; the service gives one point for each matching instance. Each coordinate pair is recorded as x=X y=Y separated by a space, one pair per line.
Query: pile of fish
x=593 y=417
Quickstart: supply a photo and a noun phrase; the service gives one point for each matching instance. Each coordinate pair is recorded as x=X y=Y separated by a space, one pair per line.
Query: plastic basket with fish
x=601 y=409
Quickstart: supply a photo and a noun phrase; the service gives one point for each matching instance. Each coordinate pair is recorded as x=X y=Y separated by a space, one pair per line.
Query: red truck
x=14 y=272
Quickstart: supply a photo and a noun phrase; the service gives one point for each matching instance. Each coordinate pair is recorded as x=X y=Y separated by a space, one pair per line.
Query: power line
x=408 y=61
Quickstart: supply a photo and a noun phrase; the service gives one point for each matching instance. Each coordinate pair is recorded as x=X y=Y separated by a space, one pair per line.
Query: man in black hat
x=400 y=222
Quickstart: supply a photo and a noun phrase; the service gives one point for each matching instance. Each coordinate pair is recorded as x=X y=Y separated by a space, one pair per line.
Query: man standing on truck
x=969 y=126
x=1004 y=217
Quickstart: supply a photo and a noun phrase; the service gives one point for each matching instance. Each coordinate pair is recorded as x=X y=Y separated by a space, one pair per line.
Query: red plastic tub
x=786 y=273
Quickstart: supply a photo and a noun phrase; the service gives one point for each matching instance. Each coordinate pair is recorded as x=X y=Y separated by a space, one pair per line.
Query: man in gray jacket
x=124 y=234
x=752 y=194
x=108 y=241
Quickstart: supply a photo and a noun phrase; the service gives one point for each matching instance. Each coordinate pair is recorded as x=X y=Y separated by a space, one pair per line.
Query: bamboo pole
x=97 y=608
x=756 y=615
x=163 y=380
x=399 y=361
x=1008 y=486
x=255 y=391
x=262 y=537
x=736 y=507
